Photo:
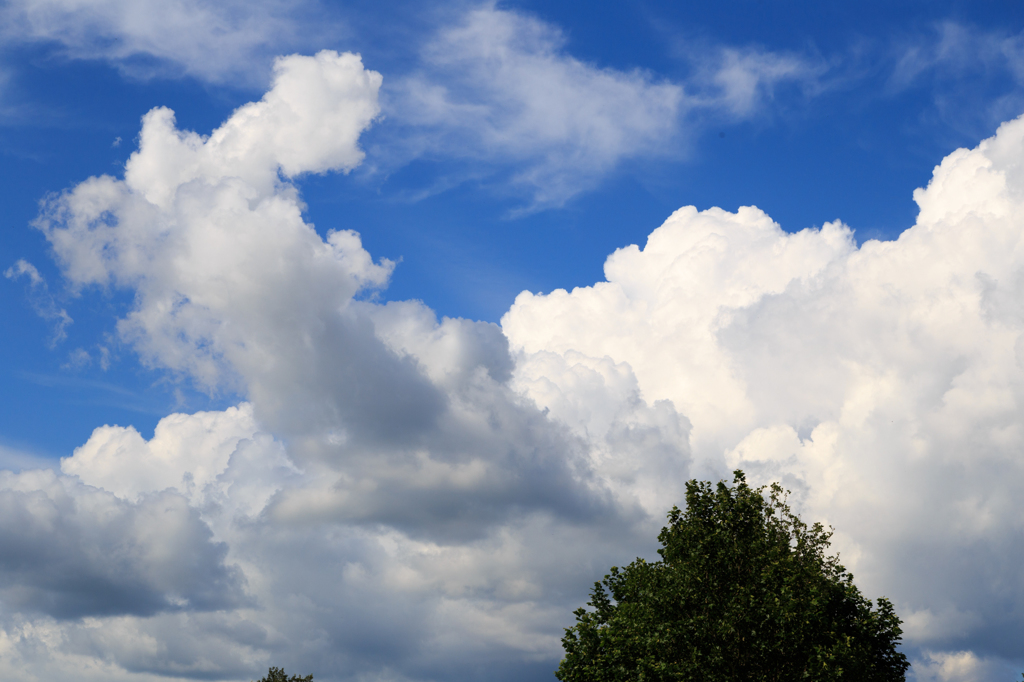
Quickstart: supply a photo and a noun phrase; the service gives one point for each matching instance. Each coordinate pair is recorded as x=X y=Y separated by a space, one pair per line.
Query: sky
x=361 y=339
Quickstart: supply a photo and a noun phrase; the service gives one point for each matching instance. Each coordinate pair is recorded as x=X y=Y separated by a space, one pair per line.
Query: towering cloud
x=387 y=490
x=883 y=383
x=401 y=497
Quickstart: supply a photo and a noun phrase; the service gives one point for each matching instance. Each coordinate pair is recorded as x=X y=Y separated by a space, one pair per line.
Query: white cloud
x=318 y=594
x=959 y=666
x=187 y=453
x=42 y=300
x=641 y=451
x=214 y=41
x=499 y=88
x=882 y=383
x=71 y=551
x=729 y=83
x=974 y=74
x=15 y=459
x=192 y=211
x=662 y=307
x=955 y=49
x=387 y=496
x=495 y=94
x=233 y=288
x=416 y=498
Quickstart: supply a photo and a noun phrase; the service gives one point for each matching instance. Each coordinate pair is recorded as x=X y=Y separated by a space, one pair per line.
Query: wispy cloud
x=495 y=97
x=42 y=300
x=952 y=49
x=16 y=460
x=739 y=82
x=976 y=76
x=500 y=88
x=495 y=91
x=218 y=42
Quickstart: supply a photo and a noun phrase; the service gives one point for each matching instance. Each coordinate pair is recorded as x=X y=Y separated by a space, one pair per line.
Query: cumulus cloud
x=640 y=450
x=882 y=383
x=71 y=551
x=214 y=41
x=958 y=666
x=387 y=495
x=407 y=497
x=187 y=202
x=187 y=453
x=234 y=289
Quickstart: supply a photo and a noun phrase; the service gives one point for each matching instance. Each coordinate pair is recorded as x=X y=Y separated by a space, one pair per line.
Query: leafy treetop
x=279 y=675
x=744 y=590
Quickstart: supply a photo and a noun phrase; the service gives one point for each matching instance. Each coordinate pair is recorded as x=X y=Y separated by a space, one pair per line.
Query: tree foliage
x=744 y=590
x=279 y=675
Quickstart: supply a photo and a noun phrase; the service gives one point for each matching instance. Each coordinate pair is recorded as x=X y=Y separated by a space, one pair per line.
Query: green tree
x=744 y=591
x=279 y=675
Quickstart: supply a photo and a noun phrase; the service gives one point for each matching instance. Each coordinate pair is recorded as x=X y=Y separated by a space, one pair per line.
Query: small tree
x=743 y=591
x=279 y=675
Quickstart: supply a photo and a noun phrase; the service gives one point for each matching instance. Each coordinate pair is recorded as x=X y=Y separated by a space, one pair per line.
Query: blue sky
x=508 y=148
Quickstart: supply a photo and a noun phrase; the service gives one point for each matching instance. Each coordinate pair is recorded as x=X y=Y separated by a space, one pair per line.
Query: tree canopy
x=744 y=590
x=279 y=675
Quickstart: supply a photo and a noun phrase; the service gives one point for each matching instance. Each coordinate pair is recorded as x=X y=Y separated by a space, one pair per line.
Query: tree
x=743 y=591
x=279 y=675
